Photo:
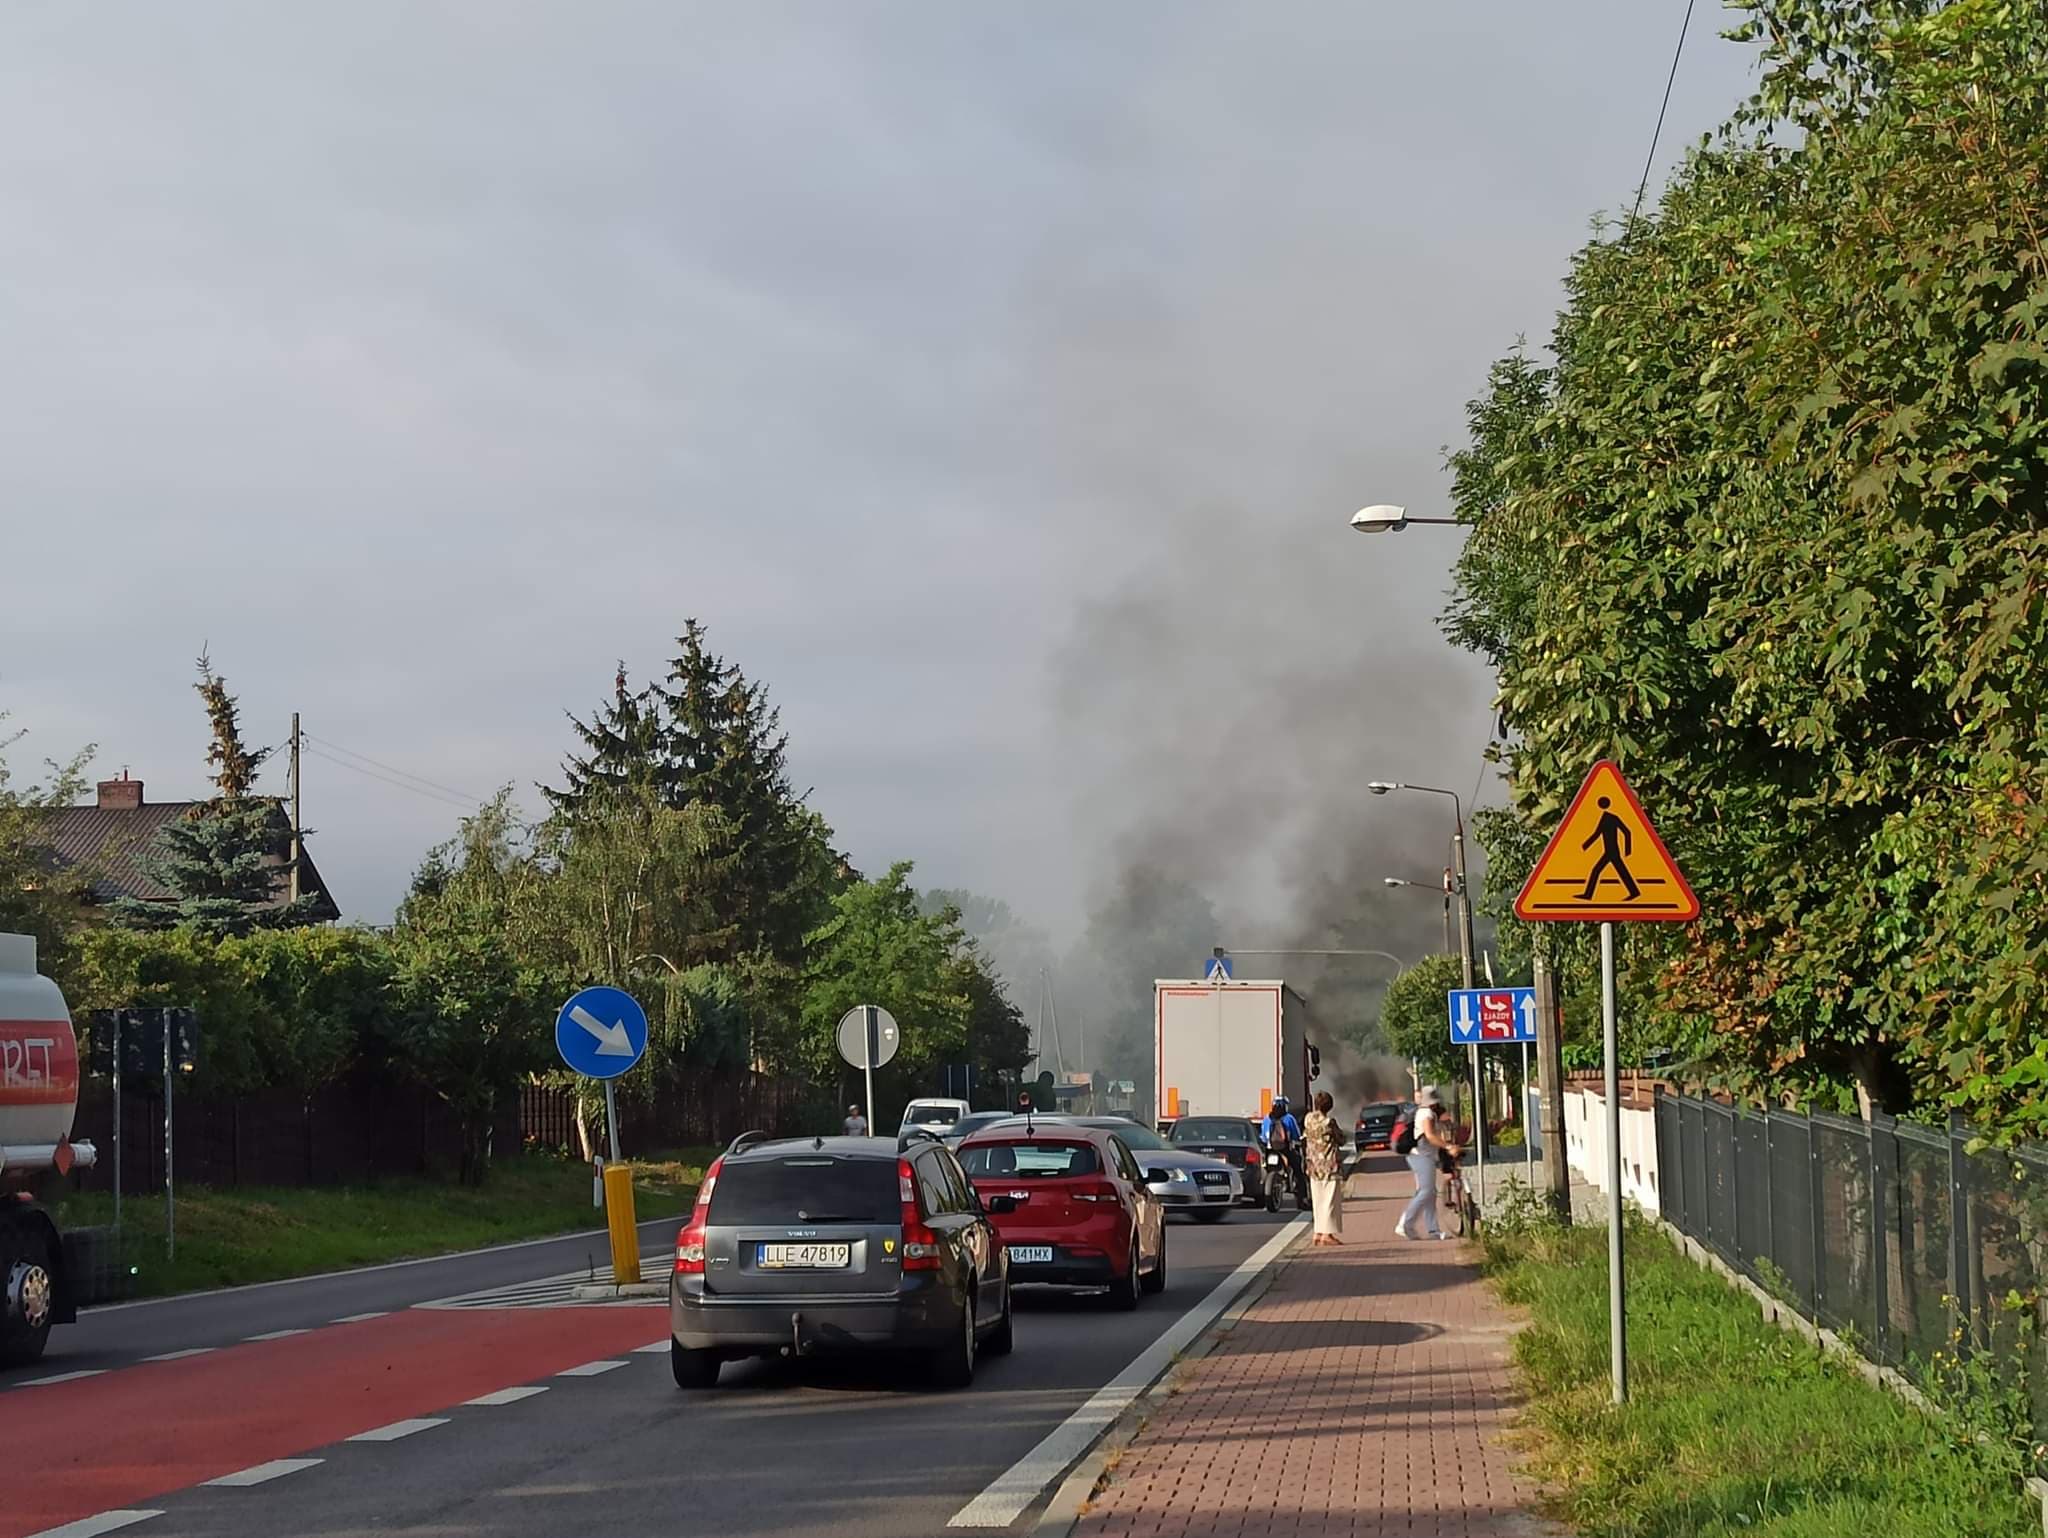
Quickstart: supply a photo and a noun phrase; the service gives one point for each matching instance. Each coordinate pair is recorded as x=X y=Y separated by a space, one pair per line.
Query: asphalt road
x=277 y=1387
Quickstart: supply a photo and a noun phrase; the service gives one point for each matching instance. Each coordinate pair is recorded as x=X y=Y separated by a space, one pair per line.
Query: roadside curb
x=1063 y=1512
x=610 y=1292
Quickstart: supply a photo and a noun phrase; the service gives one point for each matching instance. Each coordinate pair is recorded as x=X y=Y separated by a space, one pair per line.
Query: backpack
x=1404 y=1134
x=1279 y=1136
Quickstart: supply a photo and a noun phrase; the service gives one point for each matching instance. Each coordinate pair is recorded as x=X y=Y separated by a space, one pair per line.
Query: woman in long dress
x=1322 y=1147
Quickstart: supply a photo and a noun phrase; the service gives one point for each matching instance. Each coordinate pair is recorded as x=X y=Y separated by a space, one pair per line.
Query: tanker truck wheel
x=28 y=1295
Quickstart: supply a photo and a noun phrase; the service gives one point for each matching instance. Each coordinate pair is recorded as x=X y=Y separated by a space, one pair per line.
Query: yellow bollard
x=618 y=1216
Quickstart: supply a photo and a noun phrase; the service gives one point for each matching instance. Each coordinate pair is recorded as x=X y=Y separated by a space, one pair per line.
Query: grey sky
x=993 y=381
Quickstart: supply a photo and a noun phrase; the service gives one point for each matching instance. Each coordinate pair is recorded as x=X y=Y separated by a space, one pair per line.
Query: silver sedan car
x=1205 y=1189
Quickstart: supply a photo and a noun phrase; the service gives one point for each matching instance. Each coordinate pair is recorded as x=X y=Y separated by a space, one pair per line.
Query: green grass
x=1733 y=1425
x=262 y=1234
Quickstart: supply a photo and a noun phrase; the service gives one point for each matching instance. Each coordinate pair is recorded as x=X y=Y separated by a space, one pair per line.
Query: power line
x=404 y=774
x=1650 y=159
x=396 y=784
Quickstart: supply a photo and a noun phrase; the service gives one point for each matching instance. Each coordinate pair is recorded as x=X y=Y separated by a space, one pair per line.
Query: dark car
x=972 y=1122
x=834 y=1244
x=1232 y=1139
x=1375 y=1127
x=1072 y=1205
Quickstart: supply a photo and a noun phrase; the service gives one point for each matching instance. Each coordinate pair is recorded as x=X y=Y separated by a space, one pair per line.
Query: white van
x=933 y=1116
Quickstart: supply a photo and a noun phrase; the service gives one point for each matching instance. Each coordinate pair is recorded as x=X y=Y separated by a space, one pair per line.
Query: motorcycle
x=1284 y=1175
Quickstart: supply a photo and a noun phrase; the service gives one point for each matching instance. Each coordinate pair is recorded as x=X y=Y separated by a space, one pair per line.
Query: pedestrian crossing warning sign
x=1606 y=863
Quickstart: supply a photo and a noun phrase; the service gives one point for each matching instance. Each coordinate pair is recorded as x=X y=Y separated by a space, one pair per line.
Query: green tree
x=1769 y=533
x=1414 y=1021
x=37 y=898
x=878 y=948
x=623 y=750
x=225 y=863
x=998 y=1041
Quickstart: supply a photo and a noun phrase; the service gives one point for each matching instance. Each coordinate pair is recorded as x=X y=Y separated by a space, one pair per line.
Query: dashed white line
x=397 y=1429
x=276 y=1335
x=93 y=1526
x=508 y=1395
x=652 y=1347
x=589 y=1369
x=375 y=1313
x=178 y=1356
x=263 y=1473
x=61 y=1377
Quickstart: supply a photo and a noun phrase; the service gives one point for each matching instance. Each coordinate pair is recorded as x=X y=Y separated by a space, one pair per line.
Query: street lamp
x=1384 y=518
x=1380 y=788
x=1442 y=889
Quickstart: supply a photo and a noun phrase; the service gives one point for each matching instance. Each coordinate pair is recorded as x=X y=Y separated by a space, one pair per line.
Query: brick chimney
x=122 y=795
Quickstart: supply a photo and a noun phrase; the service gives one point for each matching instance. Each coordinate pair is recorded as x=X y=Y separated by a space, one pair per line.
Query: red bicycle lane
x=124 y=1437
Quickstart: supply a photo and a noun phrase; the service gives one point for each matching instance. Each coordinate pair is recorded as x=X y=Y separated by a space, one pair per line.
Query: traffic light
x=1315 y=1061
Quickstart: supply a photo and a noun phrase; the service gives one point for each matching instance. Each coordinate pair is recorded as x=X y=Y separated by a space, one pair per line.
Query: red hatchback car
x=1070 y=1205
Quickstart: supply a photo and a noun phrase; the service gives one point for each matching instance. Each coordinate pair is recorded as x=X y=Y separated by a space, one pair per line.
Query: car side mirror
x=999 y=1205
x=1158 y=1175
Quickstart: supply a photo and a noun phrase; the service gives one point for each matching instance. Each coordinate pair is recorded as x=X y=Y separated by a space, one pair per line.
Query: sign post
x=868 y=1039
x=1606 y=865
x=600 y=1033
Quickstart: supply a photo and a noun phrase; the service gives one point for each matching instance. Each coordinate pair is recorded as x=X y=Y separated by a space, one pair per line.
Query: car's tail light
x=1251 y=1157
x=690 y=1242
x=920 y=1244
x=1093 y=1191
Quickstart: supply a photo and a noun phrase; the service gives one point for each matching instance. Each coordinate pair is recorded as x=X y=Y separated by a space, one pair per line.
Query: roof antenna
x=819 y=1141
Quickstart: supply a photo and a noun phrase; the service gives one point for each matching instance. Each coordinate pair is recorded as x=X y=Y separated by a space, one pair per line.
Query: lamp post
x=1443 y=891
x=1464 y=895
x=1383 y=518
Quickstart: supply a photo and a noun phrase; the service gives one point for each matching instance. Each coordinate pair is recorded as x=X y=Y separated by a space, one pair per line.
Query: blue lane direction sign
x=601 y=1032
x=1482 y=1015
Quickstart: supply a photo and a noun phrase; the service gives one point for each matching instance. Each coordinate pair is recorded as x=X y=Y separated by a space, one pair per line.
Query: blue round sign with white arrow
x=601 y=1032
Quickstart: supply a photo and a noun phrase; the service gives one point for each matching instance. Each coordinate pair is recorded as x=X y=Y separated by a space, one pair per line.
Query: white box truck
x=1227 y=1048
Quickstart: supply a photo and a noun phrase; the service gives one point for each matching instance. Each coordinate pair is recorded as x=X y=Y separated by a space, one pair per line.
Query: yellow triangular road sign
x=1605 y=862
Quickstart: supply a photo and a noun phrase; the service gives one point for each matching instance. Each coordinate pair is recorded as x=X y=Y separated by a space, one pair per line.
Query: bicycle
x=1460 y=1214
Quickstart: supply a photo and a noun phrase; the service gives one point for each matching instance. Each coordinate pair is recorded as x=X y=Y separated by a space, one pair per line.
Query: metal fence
x=1893 y=1234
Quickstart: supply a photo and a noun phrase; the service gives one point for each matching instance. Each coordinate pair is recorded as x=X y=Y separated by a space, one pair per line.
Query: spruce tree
x=223 y=863
x=624 y=749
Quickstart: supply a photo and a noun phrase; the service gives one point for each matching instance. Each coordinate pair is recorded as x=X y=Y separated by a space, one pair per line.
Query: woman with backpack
x=1424 y=1143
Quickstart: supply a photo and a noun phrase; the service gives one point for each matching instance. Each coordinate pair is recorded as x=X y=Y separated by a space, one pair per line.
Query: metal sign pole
x=871 y=1027
x=611 y=1117
x=170 y=1197
x=1617 y=1332
x=116 y=1017
x=1522 y=1113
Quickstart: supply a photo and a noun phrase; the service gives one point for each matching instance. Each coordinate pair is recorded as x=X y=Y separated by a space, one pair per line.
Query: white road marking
x=375 y=1313
x=178 y=1356
x=61 y=1377
x=276 y=1335
x=263 y=1473
x=589 y=1369
x=653 y=1346
x=1011 y=1493
x=389 y=1265
x=553 y=1291
x=397 y=1429
x=508 y=1395
x=93 y=1526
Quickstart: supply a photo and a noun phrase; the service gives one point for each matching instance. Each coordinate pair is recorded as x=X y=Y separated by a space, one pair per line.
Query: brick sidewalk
x=1308 y=1420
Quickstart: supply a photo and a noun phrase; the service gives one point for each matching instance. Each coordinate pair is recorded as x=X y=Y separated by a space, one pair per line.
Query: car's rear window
x=1381 y=1110
x=1042 y=1159
x=931 y=1116
x=1213 y=1130
x=807 y=1189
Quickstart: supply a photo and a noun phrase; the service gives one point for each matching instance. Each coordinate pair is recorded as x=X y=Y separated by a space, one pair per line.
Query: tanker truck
x=38 y=1100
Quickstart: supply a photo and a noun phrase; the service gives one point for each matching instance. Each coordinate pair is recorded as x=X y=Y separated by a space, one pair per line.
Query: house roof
x=107 y=844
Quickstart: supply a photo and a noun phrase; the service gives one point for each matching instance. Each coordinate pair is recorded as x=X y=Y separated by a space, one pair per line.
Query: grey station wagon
x=835 y=1244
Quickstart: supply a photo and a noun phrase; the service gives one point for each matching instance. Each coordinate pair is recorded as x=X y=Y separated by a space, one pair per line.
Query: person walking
x=1429 y=1142
x=856 y=1124
x=1323 y=1142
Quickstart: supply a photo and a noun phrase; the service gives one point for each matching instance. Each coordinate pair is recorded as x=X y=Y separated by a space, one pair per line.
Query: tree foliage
x=1413 y=1019
x=1770 y=532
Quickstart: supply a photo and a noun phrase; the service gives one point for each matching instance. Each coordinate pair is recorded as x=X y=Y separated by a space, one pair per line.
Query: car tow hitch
x=797 y=1345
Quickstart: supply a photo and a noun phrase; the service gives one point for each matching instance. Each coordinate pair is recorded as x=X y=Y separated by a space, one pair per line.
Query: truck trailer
x=38 y=1102
x=1228 y=1048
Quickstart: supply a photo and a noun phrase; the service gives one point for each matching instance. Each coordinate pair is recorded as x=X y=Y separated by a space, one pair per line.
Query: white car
x=934 y=1116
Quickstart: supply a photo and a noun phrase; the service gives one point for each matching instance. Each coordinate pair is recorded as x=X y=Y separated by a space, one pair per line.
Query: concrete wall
x=1585 y=1137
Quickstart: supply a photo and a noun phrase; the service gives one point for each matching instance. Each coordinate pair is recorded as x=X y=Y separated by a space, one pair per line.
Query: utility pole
x=1557 y=1174
x=294 y=878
